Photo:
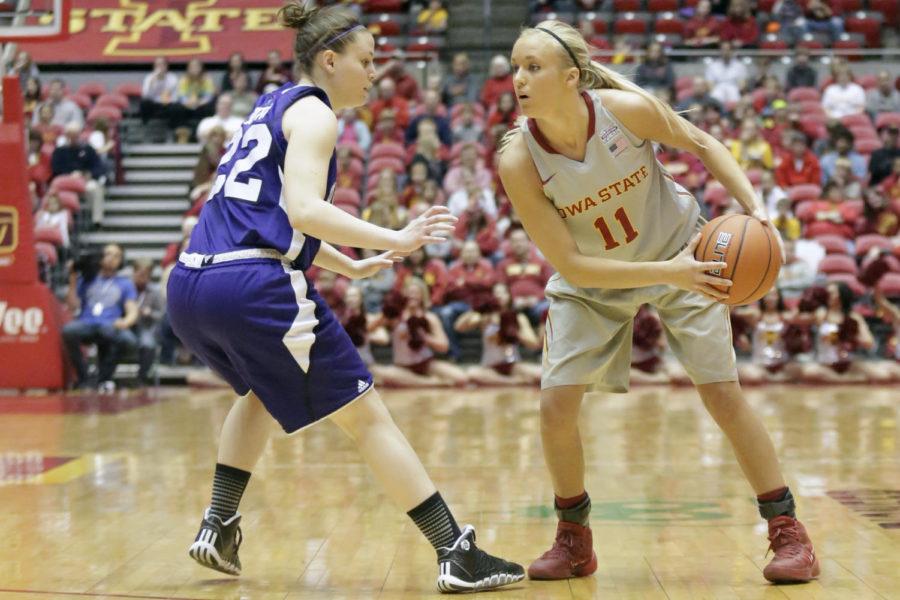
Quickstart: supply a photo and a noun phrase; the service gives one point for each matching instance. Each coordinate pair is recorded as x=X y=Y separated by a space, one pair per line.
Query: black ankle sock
x=434 y=520
x=782 y=505
x=228 y=488
x=580 y=513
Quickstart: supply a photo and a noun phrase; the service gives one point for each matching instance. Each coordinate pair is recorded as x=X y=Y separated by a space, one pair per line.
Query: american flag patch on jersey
x=618 y=146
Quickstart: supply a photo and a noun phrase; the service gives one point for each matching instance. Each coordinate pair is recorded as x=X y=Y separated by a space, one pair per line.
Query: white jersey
x=619 y=202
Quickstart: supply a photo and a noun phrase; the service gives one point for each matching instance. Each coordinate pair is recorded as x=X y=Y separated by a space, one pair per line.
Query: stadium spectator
x=150 y=307
x=210 y=154
x=467 y=128
x=76 y=157
x=499 y=81
x=843 y=148
x=459 y=86
x=376 y=287
x=702 y=29
x=784 y=220
x=416 y=336
x=39 y=169
x=54 y=215
x=890 y=185
x=796 y=274
x=385 y=209
x=417 y=173
x=844 y=96
x=31 y=97
x=819 y=18
x=789 y=16
x=107 y=310
x=878 y=216
x=831 y=215
x=884 y=97
x=389 y=99
x=847 y=182
x=504 y=114
x=223 y=118
x=801 y=73
x=274 y=75
x=799 y=166
x=405 y=85
x=525 y=274
x=468 y=277
x=432 y=18
x=699 y=97
x=881 y=160
x=233 y=69
x=434 y=110
x=727 y=75
x=351 y=130
x=431 y=270
x=751 y=150
x=740 y=27
x=655 y=71
x=687 y=169
x=428 y=147
x=24 y=67
x=159 y=90
x=243 y=99
x=65 y=112
x=364 y=328
x=503 y=332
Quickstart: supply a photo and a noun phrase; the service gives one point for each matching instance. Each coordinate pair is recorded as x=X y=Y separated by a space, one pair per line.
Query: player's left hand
x=367 y=267
x=763 y=216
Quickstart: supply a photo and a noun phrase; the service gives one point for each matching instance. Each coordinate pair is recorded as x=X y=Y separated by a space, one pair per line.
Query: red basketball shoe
x=572 y=554
x=795 y=560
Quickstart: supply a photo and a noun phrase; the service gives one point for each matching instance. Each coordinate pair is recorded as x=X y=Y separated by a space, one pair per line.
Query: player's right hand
x=686 y=272
x=433 y=226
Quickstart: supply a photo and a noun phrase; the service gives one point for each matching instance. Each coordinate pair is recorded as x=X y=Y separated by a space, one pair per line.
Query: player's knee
x=559 y=411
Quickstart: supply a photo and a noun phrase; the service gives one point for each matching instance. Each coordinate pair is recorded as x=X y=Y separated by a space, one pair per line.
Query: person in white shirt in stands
x=884 y=97
x=159 y=89
x=54 y=215
x=65 y=112
x=726 y=75
x=223 y=118
x=843 y=97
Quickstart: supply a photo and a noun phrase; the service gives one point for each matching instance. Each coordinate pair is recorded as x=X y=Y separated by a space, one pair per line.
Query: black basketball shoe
x=216 y=545
x=465 y=568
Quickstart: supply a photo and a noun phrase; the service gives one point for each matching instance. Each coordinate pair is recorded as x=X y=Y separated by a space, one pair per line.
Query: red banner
x=133 y=31
x=30 y=344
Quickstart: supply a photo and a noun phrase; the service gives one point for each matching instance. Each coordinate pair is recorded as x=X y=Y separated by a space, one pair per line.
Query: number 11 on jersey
x=622 y=217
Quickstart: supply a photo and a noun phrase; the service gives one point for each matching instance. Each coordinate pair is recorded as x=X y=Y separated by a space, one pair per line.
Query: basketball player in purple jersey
x=240 y=300
x=582 y=174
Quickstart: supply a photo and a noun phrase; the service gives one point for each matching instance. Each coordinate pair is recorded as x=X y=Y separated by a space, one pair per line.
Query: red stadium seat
x=851 y=282
x=889 y=8
x=811 y=42
x=132 y=90
x=804 y=94
x=69 y=183
x=630 y=24
x=355 y=150
x=839 y=7
x=120 y=101
x=847 y=41
x=685 y=82
x=887 y=118
x=47 y=252
x=867 y=146
x=627 y=5
x=771 y=41
x=864 y=132
x=92 y=88
x=669 y=24
x=889 y=285
x=856 y=120
x=833 y=244
x=387 y=149
x=376 y=6
x=425 y=44
x=765 y=5
x=385 y=24
x=810 y=108
x=387 y=162
x=865 y=24
x=83 y=101
x=662 y=5
x=866 y=242
x=68 y=200
x=805 y=210
x=716 y=194
x=854 y=208
x=110 y=113
x=838 y=263
x=600 y=25
x=347 y=196
x=49 y=234
x=804 y=191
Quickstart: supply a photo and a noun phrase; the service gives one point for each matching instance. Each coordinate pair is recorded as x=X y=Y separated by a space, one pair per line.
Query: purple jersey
x=246 y=207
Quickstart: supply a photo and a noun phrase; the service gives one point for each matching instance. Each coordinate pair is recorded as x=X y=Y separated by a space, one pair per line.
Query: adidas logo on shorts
x=361 y=385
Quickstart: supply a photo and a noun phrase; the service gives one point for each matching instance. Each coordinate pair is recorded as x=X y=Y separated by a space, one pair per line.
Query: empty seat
x=838 y=263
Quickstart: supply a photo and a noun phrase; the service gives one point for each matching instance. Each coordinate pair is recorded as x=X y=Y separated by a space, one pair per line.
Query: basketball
x=750 y=250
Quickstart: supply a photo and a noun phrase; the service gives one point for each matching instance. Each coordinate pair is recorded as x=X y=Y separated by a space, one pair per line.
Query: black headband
x=564 y=45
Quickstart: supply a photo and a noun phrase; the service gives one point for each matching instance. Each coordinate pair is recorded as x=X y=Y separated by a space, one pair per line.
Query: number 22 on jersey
x=622 y=217
x=249 y=190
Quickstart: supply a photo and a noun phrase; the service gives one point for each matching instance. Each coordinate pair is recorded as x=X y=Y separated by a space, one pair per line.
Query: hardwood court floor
x=101 y=498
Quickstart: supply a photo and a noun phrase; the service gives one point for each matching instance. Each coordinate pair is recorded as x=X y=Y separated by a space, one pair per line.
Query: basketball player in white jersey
x=581 y=172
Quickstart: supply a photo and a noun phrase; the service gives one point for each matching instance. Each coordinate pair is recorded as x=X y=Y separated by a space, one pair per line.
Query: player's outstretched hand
x=432 y=226
x=686 y=272
x=367 y=267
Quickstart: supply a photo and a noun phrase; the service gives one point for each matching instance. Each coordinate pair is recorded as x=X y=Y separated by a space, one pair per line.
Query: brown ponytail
x=325 y=28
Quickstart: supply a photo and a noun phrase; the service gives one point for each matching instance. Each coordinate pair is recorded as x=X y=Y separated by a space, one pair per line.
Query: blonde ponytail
x=595 y=76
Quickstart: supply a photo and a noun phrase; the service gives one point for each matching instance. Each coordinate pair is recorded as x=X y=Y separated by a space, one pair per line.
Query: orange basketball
x=750 y=250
